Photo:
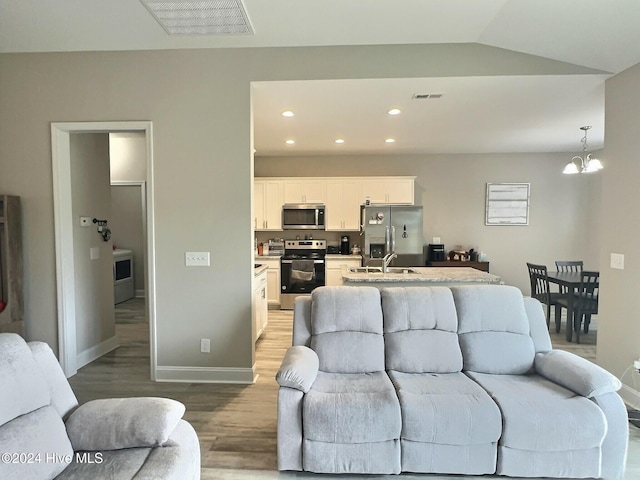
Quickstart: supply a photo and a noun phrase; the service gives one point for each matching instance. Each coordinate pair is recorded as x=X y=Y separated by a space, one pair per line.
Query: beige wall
x=452 y=190
x=199 y=103
x=128 y=155
x=91 y=197
x=619 y=230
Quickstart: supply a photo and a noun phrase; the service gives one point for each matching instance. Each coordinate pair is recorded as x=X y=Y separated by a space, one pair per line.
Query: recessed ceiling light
x=339 y=140
x=288 y=113
x=290 y=142
x=394 y=111
x=390 y=140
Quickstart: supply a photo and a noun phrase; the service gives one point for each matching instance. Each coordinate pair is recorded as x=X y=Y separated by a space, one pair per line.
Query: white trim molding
x=243 y=376
x=90 y=354
x=63 y=220
x=630 y=396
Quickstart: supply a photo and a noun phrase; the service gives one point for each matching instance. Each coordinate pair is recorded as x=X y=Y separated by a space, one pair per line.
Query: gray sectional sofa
x=45 y=435
x=459 y=380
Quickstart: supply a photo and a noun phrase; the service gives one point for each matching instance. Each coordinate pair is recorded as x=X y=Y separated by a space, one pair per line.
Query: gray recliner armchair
x=45 y=435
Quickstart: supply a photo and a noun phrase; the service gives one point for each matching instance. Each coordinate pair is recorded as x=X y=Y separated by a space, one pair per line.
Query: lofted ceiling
x=540 y=113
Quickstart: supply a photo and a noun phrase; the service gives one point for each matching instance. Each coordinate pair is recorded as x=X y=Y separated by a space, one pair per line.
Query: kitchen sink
x=365 y=270
x=401 y=270
x=378 y=270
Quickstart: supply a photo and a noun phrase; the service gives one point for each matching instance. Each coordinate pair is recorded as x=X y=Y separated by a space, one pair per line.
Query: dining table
x=570 y=280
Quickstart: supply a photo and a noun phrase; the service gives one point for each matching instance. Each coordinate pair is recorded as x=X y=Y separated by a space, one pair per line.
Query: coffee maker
x=344 y=245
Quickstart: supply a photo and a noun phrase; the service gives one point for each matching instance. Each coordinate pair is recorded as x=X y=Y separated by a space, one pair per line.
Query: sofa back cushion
x=346 y=329
x=420 y=330
x=493 y=329
x=24 y=388
x=62 y=397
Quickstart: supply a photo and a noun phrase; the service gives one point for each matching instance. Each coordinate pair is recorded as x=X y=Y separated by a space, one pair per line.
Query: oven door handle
x=291 y=261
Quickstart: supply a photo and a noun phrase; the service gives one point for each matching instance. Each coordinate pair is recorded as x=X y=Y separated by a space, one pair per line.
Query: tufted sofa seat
x=459 y=380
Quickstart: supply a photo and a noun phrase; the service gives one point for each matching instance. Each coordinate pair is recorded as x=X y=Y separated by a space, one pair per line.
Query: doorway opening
x=64 y=221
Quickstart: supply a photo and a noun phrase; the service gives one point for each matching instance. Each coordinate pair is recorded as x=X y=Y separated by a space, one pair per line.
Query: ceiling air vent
x=423 y=96
x=216 y=17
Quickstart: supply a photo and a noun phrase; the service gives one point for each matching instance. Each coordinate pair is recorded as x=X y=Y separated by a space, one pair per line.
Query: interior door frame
x=63 y=225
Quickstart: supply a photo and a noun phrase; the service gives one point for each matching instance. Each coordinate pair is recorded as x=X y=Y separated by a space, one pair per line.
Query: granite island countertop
x=426 y=277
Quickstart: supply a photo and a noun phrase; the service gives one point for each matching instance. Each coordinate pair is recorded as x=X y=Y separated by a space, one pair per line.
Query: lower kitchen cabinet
x=335 y=264
x=273 y=279
x=260 y=315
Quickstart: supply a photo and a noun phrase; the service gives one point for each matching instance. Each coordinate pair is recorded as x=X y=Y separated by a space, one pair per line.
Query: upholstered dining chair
x=585 y=302
x=540 y=290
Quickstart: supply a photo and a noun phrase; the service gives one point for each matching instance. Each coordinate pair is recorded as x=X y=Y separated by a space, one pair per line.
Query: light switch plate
x=436 y=241
x=617 y=261
x=197 y=259
x=94 y=253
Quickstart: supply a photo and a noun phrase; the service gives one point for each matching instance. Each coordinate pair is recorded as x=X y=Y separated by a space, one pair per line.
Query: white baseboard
x=140 y=293
x=92 y=353
x=630 y=396
x=206 y=374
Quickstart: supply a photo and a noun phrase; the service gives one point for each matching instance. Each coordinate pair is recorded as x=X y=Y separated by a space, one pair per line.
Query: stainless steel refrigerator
x=391 y=228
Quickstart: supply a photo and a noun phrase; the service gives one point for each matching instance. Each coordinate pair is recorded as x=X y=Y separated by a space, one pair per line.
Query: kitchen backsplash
x=332 y=238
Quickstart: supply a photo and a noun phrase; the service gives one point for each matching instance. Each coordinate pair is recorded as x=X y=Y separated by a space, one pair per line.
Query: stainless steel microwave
x=303 y=216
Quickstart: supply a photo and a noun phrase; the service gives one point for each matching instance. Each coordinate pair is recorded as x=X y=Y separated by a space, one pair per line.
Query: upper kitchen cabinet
x=392 y=190
x=304 y=190
x=344 y=197
x=267 y=204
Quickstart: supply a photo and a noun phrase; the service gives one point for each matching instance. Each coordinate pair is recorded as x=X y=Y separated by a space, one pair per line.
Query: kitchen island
x=420 y=277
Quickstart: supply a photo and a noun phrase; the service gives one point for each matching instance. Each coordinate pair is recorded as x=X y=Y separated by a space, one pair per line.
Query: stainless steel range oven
x=301 y=269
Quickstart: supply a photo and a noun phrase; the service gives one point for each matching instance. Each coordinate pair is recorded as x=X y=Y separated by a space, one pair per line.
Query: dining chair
x=569 y=265
x=539 y=280
x=585 y=302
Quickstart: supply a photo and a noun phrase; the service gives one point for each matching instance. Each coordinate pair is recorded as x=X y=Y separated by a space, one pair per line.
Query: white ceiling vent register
x=424 y=96
x=216 y=17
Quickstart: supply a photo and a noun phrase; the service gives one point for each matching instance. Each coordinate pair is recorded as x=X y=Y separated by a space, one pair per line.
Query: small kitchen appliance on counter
x=436 y=253
x=345 y=249
x=302 y=269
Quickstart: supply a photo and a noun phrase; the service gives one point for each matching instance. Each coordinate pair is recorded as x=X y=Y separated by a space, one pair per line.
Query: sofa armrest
x=299 y=368
x=575 y=373
x=117 y=423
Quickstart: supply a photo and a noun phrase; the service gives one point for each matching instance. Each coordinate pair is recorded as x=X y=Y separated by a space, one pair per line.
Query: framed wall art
x=507 y=204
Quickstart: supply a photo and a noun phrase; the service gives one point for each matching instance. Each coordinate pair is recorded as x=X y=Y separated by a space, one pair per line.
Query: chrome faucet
x=387 y=259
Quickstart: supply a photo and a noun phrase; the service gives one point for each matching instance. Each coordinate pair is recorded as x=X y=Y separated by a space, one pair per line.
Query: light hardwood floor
x=236 y=424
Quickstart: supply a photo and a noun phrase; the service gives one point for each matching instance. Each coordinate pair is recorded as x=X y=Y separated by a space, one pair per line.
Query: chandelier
x=586 y=163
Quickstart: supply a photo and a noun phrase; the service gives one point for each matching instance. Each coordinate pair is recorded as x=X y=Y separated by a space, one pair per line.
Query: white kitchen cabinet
x=260 y=306
x=267 y=204
x=335 y=265
x=273 y=279
x=392 y=190
x=344 y=197
x=304 y=190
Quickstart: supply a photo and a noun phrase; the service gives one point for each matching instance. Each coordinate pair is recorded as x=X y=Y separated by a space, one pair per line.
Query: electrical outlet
x=197 y=259
x=436 y=241
x=205 y=345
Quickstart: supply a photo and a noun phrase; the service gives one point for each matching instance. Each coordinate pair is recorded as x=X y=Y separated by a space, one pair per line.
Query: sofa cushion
x=493 y=329
x=339 y=405
x=62 y=397
x=446 y=409
x=420 y=325
x=114 y=423
x=539 y=415
x=24 y=388
x=38 y=445
x=346 y=328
